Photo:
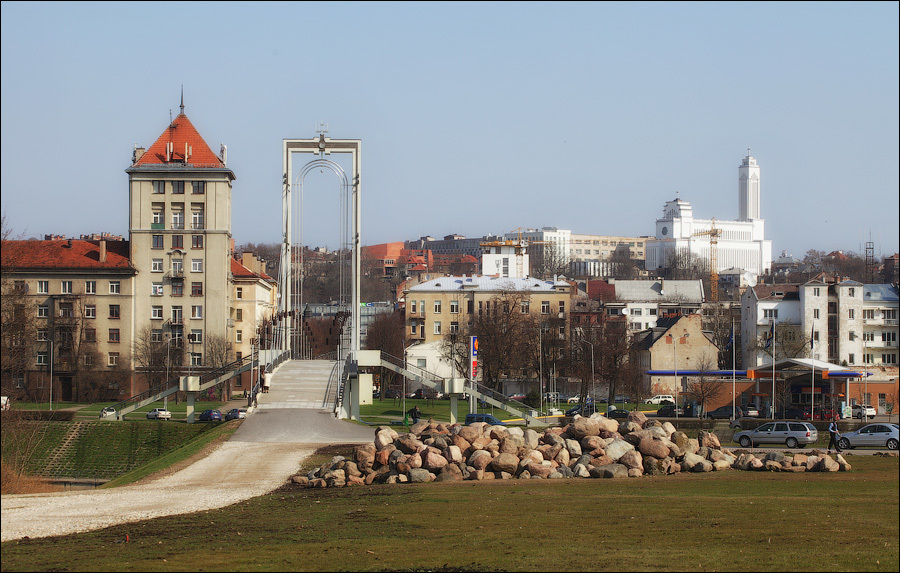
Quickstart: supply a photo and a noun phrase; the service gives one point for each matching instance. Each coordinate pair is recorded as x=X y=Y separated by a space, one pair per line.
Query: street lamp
x=592 y=369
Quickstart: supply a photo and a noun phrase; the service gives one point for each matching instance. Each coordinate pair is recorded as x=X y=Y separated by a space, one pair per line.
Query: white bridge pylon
x=322 y=146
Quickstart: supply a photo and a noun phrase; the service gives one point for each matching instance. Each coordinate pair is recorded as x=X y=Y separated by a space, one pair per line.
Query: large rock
x=479 y=459
x=450 y=472
x=708 y=440
x=453 y=454
x=574 y=448
x=470 y=432
x=508 y=463
x=539 y=470
x=364 y=455
x=531 y=438
x=617 y=448
x=419 y=475
x=433 y=460
x=653 y=447
x=690 y=460
x=637 y=417
x=632 y=460
x=583 y=427
x=606 y=424
x=609 y=471
x=408 y=444
x=591 y=443
x=384 y=438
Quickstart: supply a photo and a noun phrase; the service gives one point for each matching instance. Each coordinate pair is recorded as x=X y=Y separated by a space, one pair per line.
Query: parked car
x=660 y=399
x=486 y=418
x=721 y=413
x=669 y=411
x=418 y=394
x=236 y=414
x=860 y=411
x=581 y=410
x=211 y=416
x=877 y=435
x=791 y=434
x=108 y=412
x=749 y=411
x=617 y=414
x=790 y=414
x=572 y=400
x=159 y=414
x=621 y=399
x=820 y=414
x=516 y=397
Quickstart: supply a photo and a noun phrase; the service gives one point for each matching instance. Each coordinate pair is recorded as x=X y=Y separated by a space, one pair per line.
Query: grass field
x=735 y=521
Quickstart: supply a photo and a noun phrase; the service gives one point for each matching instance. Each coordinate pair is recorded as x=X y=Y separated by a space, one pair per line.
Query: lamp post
x=675 y=358
x=592 y=369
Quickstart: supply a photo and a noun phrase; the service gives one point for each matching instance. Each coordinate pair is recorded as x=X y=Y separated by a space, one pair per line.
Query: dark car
x=211 y=416
x=722 y=413
x=486 y=418
x=586 y=410
x=618 y=413
x=789 y=414
x=236 y=414
x=668 y=411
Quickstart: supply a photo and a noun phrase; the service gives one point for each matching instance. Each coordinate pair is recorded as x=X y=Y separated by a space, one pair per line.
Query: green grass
x=741 y=521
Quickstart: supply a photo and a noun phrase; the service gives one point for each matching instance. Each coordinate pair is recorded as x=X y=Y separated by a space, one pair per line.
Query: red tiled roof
x=180 y=132
x=64 y=254
x=240 y=271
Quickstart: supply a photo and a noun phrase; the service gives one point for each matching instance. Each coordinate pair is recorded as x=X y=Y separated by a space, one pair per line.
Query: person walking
x=834 y=436
x=414 y=413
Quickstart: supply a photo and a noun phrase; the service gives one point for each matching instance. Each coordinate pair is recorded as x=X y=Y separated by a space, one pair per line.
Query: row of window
x=43 y=359
x=524 y=306
x=177 y=187
x=68 y=287
x=158 y=219
x=177 y=313
x=177 y=267
x=454 y=328
x=156 y=289
x=67 y=310
x=177 y=242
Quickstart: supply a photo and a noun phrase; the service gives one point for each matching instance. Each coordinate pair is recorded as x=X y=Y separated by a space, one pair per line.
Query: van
x=486 y=418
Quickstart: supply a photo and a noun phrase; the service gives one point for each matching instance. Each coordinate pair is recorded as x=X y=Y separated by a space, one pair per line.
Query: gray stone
x=617 y=448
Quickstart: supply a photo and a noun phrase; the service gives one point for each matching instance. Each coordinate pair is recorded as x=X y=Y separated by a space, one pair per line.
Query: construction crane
x=519 y=246
x=713 y=233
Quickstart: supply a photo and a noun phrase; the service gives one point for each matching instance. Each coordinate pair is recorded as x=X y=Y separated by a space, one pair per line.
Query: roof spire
x=182 y=99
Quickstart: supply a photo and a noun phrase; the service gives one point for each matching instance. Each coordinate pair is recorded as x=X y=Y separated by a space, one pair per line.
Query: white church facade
x=739 y=244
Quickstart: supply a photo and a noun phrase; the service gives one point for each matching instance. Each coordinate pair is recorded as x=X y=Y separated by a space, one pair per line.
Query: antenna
x=182 y=99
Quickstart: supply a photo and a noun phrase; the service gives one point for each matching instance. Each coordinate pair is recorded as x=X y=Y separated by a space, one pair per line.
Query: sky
x=474 y=118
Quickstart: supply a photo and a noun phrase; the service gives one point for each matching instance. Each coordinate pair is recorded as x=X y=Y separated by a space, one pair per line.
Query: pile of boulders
x=591 y=447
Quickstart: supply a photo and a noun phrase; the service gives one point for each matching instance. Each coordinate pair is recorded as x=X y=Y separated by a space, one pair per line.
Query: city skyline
x=475 y=118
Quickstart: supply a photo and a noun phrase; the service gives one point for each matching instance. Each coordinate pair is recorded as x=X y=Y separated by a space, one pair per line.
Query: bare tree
x=157 y=357
x=789 y=342
x=218 y=354
x=386 y=333
x=547 y=260
x=505 y=329
x=705 y=388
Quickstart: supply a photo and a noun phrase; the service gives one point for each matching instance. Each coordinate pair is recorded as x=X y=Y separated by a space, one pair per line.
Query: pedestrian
x=834 y=436
x=414 y=413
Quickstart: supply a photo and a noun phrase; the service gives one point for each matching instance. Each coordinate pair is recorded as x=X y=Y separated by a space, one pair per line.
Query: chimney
x=102 y=251
x=138 y=153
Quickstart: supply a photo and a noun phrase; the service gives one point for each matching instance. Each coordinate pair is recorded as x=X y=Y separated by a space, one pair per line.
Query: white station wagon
x=660 y=399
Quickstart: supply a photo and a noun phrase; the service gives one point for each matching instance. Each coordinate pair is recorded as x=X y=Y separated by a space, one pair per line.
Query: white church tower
x=748 y=189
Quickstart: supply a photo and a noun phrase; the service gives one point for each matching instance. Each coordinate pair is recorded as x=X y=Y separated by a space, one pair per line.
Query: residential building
x=253 y=301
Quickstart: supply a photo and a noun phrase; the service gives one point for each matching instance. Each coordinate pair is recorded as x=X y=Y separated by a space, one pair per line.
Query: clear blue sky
x=474 y=118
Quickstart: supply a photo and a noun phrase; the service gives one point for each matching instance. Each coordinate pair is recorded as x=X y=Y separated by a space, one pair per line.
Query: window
x=90 y=311
x=177 y=316
x=413 y=329
x=177 y=267
x=851 y=313
x=562 y=307
x=156 y=266
x=158 y=217
x=868 y=359
x=816 y=291
x=198 y=187
x=412 y=306
x=43 y=287
x=196 y=336
x=815 y=313
x=454 y=327
x=868 y=336
x=42 y=358
x=115 y=287
x=177 y=241
x=42 y=335
x=87 y=360
x=156 y=289
x=454 y=307
x=770 y=313
x=196 y=359
x=851 y=291
x=90 y=287
x=890 y=316
x=889 y=358
x=238 y=336
x=851 y=336
x=437 y=307
x=239 y=314
x=177 y=288
x=525 y=306
x=869 y=314
x=114 y=335
x=177 y=219
x=66 y=310
x=114 y=311
x=158 y=242
x=889 y=336
x=196 y=265
x=113 y=359
x=66 y=287
x=197 y=218
x=90 y=335
x=851 y=358
x=437 y=327
x=636 y=312
x=196 y=241
x=159 y=187
x=156 y=312
x=545 y=307
x=652 y=312
x=196 y=289
x=239 y=293
x=197 y=311
x=178 y=187
x=43 y=311
x=470 y=306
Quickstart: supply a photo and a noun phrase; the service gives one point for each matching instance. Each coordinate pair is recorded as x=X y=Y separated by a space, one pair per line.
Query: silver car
x=878 y=435
x=791 y=434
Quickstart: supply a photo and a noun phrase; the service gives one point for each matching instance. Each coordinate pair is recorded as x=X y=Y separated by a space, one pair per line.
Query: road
x=288 y=424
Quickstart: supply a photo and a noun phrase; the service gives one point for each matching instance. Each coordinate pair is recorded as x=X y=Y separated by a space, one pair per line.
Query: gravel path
x=261 y=456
